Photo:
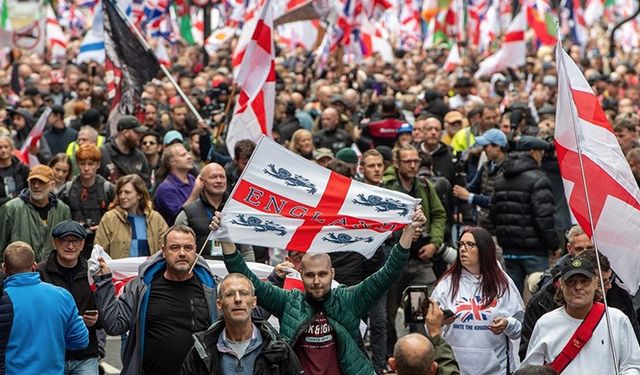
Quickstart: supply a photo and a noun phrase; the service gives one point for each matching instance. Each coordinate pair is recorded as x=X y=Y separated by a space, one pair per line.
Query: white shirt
x=554 y=329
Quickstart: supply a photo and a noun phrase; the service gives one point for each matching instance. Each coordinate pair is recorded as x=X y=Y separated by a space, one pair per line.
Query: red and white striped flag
x=594 y=170
x=512 y=53
x=254 y=110
x=33 y=138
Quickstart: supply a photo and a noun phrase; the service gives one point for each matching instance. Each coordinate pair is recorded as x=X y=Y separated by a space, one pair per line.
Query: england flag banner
x=284 y=201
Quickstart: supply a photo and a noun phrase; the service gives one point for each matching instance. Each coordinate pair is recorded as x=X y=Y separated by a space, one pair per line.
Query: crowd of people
x=512 y=281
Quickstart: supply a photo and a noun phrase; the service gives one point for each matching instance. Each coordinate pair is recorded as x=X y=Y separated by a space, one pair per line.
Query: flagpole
x=588 y=203
x=162 y=67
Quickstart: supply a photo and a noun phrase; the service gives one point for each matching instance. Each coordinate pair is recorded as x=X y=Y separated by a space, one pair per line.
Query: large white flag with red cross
x=256 y=79
x=513 y=51
x=285 y=201
x=595 y=171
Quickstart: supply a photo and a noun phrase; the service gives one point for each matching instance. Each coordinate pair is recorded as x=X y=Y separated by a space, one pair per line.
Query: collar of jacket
x=22 y=279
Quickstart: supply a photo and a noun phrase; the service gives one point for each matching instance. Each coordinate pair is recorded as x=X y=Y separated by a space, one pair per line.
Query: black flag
x=129 y=65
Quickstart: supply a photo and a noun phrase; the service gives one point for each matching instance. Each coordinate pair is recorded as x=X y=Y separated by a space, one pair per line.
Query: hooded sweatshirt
x=477 y=349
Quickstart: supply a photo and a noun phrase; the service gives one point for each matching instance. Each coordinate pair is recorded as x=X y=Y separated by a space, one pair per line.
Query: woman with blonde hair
x=131 y=227
x=302 y=143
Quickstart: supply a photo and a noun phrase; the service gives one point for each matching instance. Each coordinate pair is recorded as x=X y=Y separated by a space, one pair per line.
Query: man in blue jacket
x=37 y=342
x=161 y=308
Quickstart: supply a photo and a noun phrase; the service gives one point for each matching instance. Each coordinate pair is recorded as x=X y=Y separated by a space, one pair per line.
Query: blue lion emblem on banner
x=258 y=225
x=291 y=180
x=344 y=238
x=386 y=205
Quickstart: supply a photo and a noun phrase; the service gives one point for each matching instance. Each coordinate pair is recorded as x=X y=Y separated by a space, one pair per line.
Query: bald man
x=332 y=136
x=210 y=195
x=321 y=324
x=413 y=354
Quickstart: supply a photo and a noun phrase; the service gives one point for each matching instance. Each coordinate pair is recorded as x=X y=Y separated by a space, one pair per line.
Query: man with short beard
x=211 y=195
x=31 y=216
x=121 y=156
x=162 y=307
x=13 y=173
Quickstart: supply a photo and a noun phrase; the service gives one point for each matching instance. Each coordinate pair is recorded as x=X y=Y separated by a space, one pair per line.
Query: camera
x=447 y=253
x=415 y=302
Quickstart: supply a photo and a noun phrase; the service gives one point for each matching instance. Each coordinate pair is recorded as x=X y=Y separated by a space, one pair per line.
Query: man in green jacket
x=402 y=177
x=31 y=216
x=321 y=324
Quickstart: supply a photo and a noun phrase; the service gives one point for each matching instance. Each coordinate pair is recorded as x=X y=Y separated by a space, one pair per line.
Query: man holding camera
x=426 y=240
x=62 y=268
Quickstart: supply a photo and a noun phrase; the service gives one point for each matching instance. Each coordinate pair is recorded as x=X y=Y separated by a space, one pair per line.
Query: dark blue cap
x=68 y=227
x=528 y=142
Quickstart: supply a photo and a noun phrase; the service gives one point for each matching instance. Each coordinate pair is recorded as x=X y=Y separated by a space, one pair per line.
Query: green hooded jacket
x=343 y=306
x=431 y=205
x=21 y=222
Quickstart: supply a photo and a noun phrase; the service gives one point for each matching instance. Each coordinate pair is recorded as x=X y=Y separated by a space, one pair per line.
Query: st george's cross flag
x=604 y=177
x=285 y=201
x=256 y=79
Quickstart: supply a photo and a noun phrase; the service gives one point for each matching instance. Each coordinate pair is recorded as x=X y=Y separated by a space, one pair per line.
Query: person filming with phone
x=63 y=269
x=487 y=307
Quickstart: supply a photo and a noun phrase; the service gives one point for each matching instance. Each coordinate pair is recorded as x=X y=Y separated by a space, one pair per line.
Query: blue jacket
x=38 y=341
x=129 y=311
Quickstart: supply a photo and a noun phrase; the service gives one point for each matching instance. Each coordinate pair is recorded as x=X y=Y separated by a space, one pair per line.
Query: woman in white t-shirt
x=488 y=308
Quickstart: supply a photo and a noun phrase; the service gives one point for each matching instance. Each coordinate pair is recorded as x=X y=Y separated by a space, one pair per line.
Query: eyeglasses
x=468 y=245
x=149 y=143
x=579 y=249
x=177 y=248
x=71 y=241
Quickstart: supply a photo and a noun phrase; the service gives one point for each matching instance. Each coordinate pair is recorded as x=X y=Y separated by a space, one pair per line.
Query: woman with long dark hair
x=487 y=306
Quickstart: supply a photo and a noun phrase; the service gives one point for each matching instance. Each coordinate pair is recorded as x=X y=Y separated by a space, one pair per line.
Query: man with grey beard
x=30 y=216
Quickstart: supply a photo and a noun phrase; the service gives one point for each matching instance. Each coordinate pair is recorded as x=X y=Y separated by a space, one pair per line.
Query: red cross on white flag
x=589 y=154
x=284 y=201
x=254 y=110
x=513 y=51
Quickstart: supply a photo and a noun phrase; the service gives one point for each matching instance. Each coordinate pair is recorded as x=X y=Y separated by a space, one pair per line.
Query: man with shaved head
x=211 y=193
x=320 y=323
x=332 y=136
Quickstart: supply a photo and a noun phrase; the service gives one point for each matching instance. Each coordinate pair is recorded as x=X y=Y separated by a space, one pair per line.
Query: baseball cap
x=463 y=82
x=322 y=152
x=347 y=155
x=42 y=173
x=528 y=142
x=68 y=227
x=132 y=123
x=385 y=151
x=453 y=116
x=91 y=117
x=492 y=136
x=549 y=80
x=172 y=136
x=337 y=99
x=578 y=266
x=404 y=128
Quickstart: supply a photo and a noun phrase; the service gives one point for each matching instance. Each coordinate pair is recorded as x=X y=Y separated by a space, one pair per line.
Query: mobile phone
x=415 y=304
x=91 y=312
x=448 y=313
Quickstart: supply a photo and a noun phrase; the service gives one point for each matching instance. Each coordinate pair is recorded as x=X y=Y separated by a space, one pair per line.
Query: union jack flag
x=468 y=309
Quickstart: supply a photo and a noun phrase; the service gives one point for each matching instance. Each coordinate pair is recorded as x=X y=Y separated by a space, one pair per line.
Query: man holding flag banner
x=297 y=205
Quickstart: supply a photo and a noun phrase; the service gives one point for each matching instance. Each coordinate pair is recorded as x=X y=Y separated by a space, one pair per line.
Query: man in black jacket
x=63 y=269
x=13 y=173
x=236 y=343
x=522 y=209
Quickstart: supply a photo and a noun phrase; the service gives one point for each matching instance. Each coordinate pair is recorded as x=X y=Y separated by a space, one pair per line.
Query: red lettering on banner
x=314 y=217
